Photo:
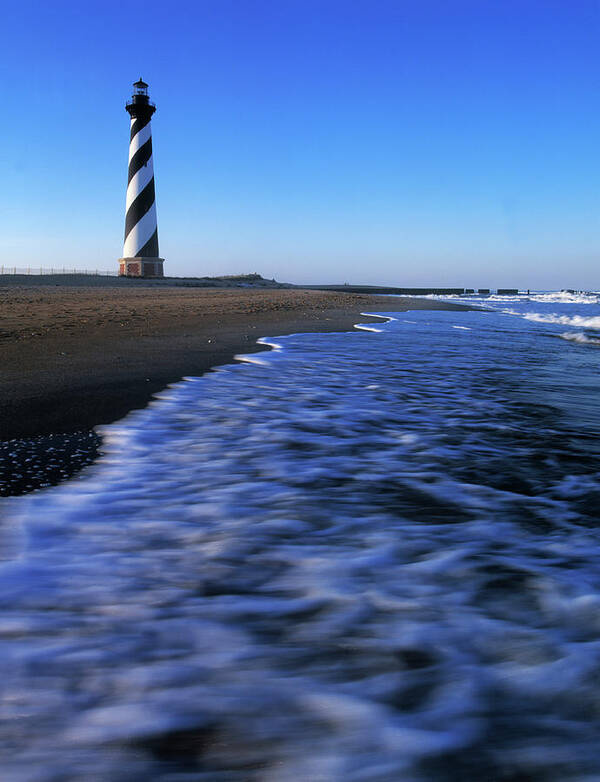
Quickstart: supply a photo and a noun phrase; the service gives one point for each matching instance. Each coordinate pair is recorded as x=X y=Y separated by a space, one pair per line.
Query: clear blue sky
x=416 y=142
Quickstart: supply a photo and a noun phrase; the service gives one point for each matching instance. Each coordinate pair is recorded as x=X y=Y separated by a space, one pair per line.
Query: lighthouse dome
x=140 y=87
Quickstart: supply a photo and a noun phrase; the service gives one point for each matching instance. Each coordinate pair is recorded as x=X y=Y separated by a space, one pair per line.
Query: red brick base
x=141 y=267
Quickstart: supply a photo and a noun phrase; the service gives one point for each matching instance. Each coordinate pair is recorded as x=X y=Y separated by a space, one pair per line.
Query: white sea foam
x=367 y=327
x=554 y=297
x=251 y=358
x=270 y=343
x=563 y=297
x=564 y=320
x=581 y=337
x=503 y=297
x=355 y=561
x=364 y=327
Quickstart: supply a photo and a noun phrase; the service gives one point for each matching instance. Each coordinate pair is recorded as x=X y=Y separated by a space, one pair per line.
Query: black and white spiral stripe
x=141 y=232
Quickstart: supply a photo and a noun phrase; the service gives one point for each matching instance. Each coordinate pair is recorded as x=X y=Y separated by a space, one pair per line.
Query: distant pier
x=384 y=289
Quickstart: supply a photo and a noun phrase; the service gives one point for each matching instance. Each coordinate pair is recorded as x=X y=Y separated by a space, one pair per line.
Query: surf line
x=252 y=358
x=366 y=327
x=268 y=342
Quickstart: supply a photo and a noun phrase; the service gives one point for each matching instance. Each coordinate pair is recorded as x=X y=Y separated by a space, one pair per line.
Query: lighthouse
x=140 y=251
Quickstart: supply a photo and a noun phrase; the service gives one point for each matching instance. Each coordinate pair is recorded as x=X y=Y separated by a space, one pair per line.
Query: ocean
x=359 y=557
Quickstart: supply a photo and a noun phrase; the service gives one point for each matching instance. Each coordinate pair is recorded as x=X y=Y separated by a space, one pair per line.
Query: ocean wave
x=554 y=297
x=361 y=559
x=563 y=297
x=504 y=298
x=564 y=320
x=581 y=337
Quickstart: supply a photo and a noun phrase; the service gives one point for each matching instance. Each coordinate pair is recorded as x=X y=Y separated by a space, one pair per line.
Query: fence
x=63 y=270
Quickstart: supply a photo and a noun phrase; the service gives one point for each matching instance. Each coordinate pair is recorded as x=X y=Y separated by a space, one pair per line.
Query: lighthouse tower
x=140 y=251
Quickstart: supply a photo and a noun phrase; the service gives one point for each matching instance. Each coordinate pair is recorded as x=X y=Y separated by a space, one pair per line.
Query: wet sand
x=76 y=357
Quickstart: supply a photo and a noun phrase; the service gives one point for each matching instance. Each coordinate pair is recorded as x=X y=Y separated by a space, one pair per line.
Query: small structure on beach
x=140 y=251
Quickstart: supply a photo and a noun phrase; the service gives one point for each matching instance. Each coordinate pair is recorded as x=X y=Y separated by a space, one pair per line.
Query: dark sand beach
x=74 y=357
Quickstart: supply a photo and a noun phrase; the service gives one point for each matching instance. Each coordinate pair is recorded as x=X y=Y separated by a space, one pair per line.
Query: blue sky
x=409 y=143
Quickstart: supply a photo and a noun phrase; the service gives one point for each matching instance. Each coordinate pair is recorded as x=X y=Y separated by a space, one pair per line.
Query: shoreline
x=77 y=358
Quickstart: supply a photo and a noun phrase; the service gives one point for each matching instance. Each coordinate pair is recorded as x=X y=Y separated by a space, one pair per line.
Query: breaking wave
x=581 y=337
x=564 y=297
x=554 y=297
x=564 y=320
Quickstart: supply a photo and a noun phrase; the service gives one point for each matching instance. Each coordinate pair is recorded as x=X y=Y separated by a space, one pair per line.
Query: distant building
x=140 y=251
